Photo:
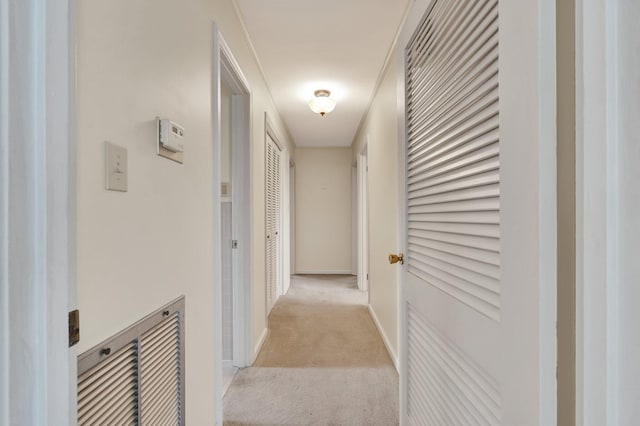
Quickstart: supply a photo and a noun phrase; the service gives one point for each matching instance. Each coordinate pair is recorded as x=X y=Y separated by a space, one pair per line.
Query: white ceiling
x=305 y=45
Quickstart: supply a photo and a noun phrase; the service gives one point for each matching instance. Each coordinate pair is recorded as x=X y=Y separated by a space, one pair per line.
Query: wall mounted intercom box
x=170 y=140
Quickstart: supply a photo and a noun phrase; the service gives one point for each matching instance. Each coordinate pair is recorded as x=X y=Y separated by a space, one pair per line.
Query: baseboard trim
x=258 y=346
x=385 y=339
x=333 y=272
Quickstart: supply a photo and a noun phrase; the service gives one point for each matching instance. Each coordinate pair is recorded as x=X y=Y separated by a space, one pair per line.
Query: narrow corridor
x=323 y=362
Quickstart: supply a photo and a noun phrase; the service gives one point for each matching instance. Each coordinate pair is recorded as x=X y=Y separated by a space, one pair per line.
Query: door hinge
x=234 y=244
x=74 y=327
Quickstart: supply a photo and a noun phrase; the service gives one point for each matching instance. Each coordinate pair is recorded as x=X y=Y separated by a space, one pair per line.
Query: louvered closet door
x=277 y=241
x=452 y=275
x=273 y=198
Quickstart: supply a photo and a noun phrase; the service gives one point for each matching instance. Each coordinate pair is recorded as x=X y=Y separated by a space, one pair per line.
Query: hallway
x=167 y=166
x=323 y=362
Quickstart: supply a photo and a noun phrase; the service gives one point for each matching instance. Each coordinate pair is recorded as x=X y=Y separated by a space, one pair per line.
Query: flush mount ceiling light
x=322 y=103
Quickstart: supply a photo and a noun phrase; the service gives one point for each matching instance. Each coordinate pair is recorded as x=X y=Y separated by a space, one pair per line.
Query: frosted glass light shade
x=322 y=103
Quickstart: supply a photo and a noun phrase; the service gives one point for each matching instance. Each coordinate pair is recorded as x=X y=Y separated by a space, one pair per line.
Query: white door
x=473 y=328
x=273 y=221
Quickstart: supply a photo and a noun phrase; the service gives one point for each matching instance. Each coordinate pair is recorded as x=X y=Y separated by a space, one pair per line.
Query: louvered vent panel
x=445 y=386
x=136 y=376
x=108 y=393
x=160 y=374
x=453 y=155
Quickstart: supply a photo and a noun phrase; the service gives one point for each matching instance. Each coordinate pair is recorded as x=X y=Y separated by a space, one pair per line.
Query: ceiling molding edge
x=383 y=69
x=240 y=17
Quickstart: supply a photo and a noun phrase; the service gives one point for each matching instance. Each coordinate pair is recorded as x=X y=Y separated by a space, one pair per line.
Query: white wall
x=380 y=130
x=139 y=249
x=323 y=210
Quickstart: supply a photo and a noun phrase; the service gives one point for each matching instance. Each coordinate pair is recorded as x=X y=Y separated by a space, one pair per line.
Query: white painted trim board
x=225 y=68
x=385 y=339
x=258 y=347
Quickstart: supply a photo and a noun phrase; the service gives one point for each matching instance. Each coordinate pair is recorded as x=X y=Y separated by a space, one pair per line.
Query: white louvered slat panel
x=270 y=222
x=429 y=128
x=483 y=268
x=453 y=158
x=457 y=160
x=108 y=393
x=459 y=217
x=473 y=73
x=462 y=252
x=475 y=132
x=437 y=34
x=469 y=140
x=477 y=229
x=482 y=167
x=273 y=200
x=482 y=243
x=160 y=373
x=278 y=222
x=473 y=181
x=476 y=295
x=445 y=386
x=479 y=280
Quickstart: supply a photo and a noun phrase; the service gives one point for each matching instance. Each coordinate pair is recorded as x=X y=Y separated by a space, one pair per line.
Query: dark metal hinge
x=74 y=327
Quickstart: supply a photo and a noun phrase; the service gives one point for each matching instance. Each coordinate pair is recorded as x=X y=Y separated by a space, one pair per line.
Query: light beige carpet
x=323 y=362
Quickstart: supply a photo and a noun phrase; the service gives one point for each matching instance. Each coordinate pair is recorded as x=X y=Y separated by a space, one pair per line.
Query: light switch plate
x=116 y=167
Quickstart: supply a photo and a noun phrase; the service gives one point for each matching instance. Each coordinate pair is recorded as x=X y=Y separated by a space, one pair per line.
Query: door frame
x=37 y=211
x=606 y=197
x=363 y=218
x=354 y=217
x=286 y=221
x=292 y=220
x=225 y=68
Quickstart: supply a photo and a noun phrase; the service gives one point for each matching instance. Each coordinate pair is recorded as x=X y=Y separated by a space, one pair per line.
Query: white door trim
x=286 y=221
x=363 y=220
x=292 y=219
x=354 y=218
x=402 y=221
x=226 y=69
x=37 y=211
x=607 y=203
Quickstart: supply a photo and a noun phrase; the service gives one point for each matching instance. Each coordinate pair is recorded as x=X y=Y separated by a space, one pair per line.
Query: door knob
x=395 y=258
